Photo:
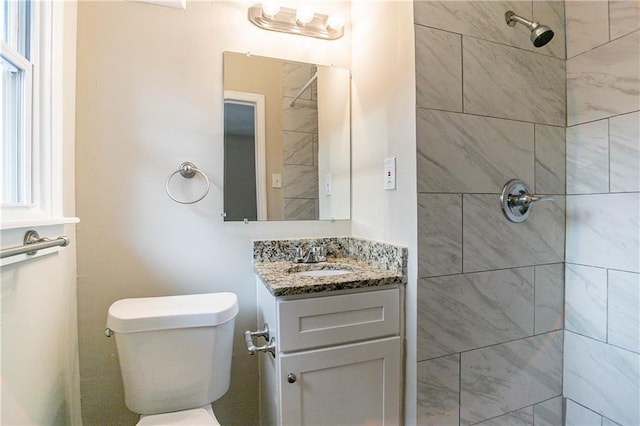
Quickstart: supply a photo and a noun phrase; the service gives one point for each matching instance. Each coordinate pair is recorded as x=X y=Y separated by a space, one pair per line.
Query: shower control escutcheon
x=516 y=200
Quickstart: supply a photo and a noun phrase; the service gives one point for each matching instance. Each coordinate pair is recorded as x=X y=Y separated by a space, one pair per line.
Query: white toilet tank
x=175 y=351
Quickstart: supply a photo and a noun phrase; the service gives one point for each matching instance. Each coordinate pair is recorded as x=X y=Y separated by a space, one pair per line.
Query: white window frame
x=44 y=205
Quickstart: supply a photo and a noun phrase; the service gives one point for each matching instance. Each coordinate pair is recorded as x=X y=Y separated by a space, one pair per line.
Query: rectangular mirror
x=286 y=140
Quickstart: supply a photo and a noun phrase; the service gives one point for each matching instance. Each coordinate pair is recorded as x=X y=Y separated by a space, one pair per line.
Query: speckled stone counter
x=371 y=263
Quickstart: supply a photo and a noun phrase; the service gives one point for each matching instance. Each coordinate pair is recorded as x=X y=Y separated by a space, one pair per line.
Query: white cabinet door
x=357 y=384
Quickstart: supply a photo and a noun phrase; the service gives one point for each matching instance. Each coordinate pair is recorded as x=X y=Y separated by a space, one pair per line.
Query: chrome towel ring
x=187 y=170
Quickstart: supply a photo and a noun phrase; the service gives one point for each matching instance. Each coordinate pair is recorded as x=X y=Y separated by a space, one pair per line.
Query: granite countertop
x=372 y=264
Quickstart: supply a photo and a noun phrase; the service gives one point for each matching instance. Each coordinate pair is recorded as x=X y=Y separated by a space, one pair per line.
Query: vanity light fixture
x=270 y=16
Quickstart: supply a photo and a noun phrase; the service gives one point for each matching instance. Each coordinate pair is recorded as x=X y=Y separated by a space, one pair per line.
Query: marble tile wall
x=490 y=108
x=601 y=347
x=300 y=144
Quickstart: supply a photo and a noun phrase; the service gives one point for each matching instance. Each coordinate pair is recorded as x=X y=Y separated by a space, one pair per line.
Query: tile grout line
x=609 y=153
x=462 y=71
x=459 y=389
x=499 y=344
x=601 y=342
x=534 y=300
x=606 y=318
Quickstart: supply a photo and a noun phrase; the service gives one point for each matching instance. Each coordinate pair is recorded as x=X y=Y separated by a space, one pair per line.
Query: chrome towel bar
x=33 y=243
x=264 y=333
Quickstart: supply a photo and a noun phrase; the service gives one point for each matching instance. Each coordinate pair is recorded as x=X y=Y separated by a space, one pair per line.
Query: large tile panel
x=439 y=391
x=298 y=148
x=604 y=81
x=586 y=27
x=490 y=241
x=438 y=69
x=299 y=181
x=624 y=17
x=503 y=378
x=551 y=13
x=609 y=422
x=522 y=417
x=463 y=312
x=549 y=295
x=550 y=159
x=586 y=301
x=624 y=138
x=439 y=234
x=485 y=20
x=301 y=117
x=577 y=415
x=548 y=413
x=300 y=209
x=602 y=231
x=506 y=82
x=603 y=378
x=624 y=310
x=588 y=158
x=294 y=77
x=467 y=153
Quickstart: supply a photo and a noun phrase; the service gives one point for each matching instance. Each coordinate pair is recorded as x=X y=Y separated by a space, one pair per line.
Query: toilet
x=175 y=355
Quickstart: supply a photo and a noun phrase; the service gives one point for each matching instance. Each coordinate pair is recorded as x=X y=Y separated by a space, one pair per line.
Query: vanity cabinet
x=338 y=358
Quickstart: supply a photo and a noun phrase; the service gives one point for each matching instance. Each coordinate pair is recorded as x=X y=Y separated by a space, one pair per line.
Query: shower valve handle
x=516 y=200
x=525 y=200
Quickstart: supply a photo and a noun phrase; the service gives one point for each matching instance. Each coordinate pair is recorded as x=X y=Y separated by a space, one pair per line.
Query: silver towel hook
x=187 y=170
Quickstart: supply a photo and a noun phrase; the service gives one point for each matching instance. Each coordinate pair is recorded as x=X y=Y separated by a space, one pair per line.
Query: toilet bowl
x=175 y=355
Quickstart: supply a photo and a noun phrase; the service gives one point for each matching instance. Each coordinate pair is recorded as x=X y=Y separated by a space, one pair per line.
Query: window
x=31 y=112
x=17 y=102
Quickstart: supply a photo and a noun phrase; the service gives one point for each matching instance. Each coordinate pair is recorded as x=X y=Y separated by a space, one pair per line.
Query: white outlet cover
x=390 y=173
x=327 y=184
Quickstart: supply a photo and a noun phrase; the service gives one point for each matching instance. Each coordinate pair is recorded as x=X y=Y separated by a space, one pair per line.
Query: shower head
x=540 y=34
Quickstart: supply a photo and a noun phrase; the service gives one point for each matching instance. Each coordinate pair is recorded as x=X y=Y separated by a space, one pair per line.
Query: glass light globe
x=335 y=21
x=270 y=8
x=304 y=15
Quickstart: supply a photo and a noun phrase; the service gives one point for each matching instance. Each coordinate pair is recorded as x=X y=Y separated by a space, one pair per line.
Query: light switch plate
x=390 y=173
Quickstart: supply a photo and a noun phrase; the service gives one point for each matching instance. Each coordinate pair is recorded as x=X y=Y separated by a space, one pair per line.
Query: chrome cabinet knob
x=516 y=200
x=291 y=378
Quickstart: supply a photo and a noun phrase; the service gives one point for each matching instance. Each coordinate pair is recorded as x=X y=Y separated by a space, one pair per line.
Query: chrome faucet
x=313 y=255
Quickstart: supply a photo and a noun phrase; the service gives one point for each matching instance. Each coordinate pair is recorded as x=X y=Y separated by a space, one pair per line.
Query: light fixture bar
x=285 y=21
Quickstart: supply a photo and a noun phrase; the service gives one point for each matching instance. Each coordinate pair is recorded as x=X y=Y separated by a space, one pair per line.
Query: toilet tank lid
x=161 y=313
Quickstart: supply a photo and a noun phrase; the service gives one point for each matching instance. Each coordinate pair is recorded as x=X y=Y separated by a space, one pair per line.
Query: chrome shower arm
x=511 y=18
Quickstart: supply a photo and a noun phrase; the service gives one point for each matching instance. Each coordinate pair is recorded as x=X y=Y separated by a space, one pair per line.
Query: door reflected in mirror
x=286 y=140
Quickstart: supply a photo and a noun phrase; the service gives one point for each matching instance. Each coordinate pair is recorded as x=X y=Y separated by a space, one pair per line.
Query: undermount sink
x=323 y=272
x=322 y=269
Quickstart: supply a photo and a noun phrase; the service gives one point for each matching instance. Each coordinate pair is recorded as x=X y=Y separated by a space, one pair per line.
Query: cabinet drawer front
x=332 y=320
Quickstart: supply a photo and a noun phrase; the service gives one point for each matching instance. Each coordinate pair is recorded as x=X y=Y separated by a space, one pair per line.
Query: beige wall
x=255 y=74
x=40 y=376
x=150 y=93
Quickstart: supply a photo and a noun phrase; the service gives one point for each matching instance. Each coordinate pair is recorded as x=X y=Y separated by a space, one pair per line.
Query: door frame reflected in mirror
x=255 y=100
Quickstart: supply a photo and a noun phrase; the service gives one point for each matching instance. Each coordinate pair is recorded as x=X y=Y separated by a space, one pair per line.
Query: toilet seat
x=195 y=417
